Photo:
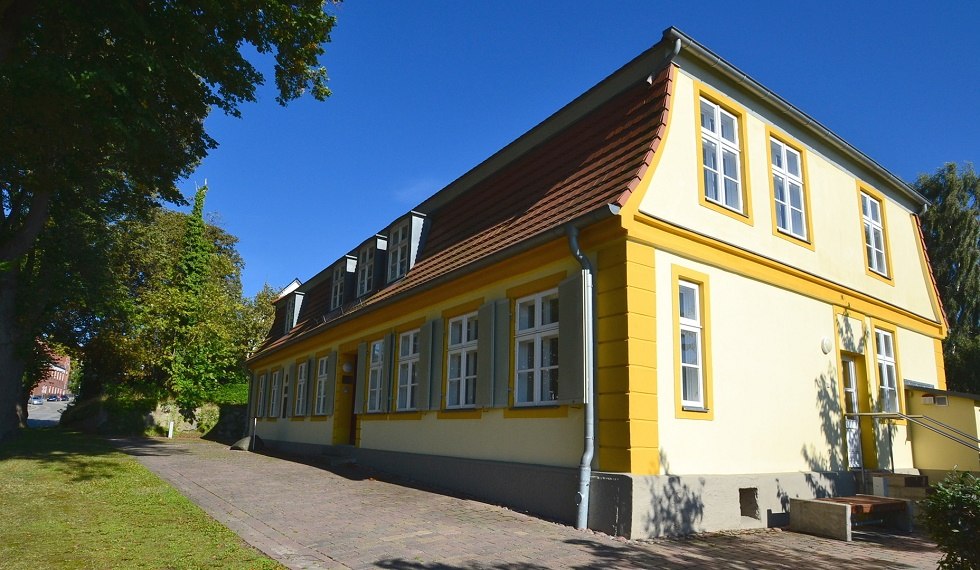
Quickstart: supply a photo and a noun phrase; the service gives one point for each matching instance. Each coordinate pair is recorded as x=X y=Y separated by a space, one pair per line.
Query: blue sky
x=424 y=91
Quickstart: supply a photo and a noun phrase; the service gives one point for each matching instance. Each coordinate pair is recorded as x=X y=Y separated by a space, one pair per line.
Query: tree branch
x=23 y=239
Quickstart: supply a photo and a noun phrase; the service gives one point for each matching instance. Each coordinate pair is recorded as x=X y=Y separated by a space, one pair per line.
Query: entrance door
x=344 y=420
x=852 y=423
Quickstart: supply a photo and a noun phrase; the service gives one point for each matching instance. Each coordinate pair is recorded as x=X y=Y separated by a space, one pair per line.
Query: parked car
x=37 y=400
x=52 y=398
x=64 y=397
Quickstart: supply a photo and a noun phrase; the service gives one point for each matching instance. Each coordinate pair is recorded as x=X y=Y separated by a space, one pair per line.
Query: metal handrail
x=917 y=421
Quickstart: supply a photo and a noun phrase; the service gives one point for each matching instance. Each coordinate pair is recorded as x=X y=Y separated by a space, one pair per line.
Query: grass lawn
x=69 y=500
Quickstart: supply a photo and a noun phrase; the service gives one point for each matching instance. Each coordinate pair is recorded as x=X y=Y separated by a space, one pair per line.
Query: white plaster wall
x=837 y=231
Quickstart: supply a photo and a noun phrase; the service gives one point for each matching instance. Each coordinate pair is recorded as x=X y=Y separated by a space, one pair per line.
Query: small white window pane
x=471 y=363
x=733 y=199
x=549 y=384
x=472 y=329
x=470 y=391
x=797 y=222
x=690 y=351
x=728 y=127
x=710 y=184
x=455 y=332
x=708 y=116
x=793 y=162
x=549 y=309
x=731 y=164
x=525 y=315
x=549 y=351
x=709 y=153
x=691 y=382
x=777 y=153
x=525 y=355
x=452 y=398
x=688 y=302
x=525 y=386
x=777 y=183
x=455 y=365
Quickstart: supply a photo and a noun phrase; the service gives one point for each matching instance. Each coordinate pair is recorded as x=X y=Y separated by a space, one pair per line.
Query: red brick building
x=55 y=381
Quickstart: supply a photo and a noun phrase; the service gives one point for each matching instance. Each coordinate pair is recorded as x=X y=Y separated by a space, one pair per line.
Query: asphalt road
x=45 y=415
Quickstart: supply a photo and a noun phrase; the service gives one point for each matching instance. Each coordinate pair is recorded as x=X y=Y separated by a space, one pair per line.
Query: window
x=692 y=369
x=374 y=376
x=537 y=348
x=337 y=287
x=399 y=250
x=321 y=387
x=365 y=270
x=787 y=189
x=301 y=389
x=274 y=397
x=721 y=156
x=408 y=370
x=290 y=313
x=285 y=395
x=260 y=398
x=461 y=382
x=874 y=234
x=887 y=375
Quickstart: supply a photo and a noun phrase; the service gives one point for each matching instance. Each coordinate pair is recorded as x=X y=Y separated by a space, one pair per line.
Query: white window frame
x=887 y=370
x=536 y=336
x=376 y=357
x=713 y=136
x=321 y=387
x=337 y=287
x=274 y=396
x=780 y=154
x=408 y=371
x=300 y=408
x=290 y=313
x=399 y=250
x=260 y=400
x=693 y=326
x=461 y=361
x=874 y=234
x=365 y=270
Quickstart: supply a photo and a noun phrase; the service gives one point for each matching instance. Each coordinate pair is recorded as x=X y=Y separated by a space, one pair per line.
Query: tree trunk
x=13 y=409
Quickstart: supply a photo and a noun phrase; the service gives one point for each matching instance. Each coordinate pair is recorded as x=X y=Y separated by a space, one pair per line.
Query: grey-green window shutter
x=484 y=356
x=331 y=386
x=310 y=386
x=571 y=361
x=359 y=384
x=501 y=353
x=387 y=372
x=289 y=378
x=430 y=365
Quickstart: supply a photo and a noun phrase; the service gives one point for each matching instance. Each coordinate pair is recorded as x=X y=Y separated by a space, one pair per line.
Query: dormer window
x=399 y=250
x=337 y=287
x=293 y=305
x=365 y=269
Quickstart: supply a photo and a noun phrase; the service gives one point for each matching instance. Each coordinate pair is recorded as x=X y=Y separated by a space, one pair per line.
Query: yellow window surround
x=876 y=326
x=679 y=274
x=808 y=241
x=702 y=91
x=886 y=277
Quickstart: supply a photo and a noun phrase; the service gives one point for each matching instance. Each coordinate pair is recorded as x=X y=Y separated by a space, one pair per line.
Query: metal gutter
x=736 y=75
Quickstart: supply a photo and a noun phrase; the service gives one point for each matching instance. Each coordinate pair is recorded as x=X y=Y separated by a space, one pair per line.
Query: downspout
x=588 y=362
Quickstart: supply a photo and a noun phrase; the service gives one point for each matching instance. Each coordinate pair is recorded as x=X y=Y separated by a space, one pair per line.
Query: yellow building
x=665 y=298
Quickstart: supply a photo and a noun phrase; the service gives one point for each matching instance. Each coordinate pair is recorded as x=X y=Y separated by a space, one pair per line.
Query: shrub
x=231 y=394
x=951 y=516
x=207 y=417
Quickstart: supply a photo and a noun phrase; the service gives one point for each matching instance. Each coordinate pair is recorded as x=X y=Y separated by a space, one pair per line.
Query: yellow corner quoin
x=702 y=91
x=679 y=274
x=773 y=133
x=704 y=249
x=888 y=276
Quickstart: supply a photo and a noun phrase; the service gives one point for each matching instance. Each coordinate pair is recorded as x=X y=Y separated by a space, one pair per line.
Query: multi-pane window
x=290 y=313
x=537 y=348
x=787 y=185
x=874 y=234
x=721 y=156
x=284 y=411
x=408 y=370
x=375 y=371
x=260 y=401
x=691 y=344
x=274 y=396
x=365 y=270
x=301 y=389
x=461 y=381
x=337 y=287
x=399 y=250
x=321 y=387
x=885 y=350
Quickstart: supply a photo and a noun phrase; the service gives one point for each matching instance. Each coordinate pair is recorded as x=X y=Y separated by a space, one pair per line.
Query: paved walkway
x=311 y=517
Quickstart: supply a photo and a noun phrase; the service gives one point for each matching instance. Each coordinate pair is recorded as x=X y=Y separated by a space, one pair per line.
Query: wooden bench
x=835 y=517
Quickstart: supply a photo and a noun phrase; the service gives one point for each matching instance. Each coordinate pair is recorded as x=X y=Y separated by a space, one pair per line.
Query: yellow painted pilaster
x=627 y=401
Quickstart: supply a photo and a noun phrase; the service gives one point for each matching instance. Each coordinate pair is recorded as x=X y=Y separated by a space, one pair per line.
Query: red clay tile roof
x=595 y=162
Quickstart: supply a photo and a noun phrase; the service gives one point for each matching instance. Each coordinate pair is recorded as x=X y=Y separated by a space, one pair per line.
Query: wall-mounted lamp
x=825 y=345
x=347 y=368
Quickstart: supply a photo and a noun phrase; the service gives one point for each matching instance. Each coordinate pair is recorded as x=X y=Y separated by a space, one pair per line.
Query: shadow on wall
x=676 y=509
x=826 y=462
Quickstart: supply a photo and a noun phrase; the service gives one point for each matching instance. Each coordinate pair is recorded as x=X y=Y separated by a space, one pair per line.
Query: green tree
x=102 y=110
x=951 y=228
